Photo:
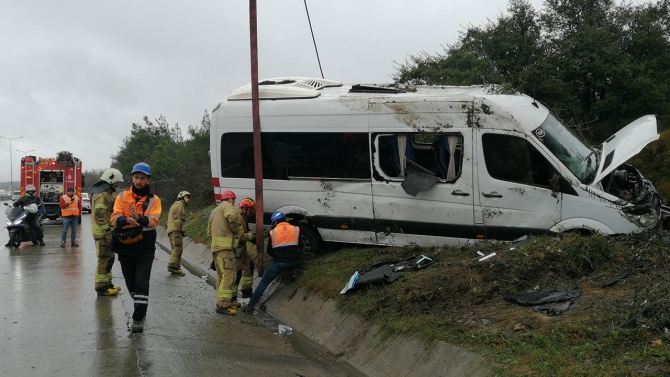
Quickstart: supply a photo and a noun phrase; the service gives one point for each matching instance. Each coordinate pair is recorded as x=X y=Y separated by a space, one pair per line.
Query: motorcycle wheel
x=15 y=239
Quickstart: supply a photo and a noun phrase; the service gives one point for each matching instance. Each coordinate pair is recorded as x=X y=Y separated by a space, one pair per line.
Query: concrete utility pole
x=11 y=164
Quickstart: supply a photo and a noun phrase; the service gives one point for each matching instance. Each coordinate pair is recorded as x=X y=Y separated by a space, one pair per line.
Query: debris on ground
x=386 y=272
x=551 y=302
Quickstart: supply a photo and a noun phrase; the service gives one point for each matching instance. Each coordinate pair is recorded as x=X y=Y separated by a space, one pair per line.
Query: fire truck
x=52 y=177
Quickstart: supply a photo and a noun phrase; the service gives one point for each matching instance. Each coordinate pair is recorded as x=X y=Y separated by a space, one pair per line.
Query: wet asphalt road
x=54 y=324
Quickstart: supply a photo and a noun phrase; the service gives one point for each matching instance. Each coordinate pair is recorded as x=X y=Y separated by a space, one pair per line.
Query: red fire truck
x=52 y=177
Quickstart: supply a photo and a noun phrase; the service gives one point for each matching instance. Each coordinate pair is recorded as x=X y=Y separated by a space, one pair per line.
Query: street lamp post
x=25 y=153
x=11 y=164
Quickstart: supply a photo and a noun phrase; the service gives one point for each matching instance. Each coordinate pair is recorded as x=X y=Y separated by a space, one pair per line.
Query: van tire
x=310 y=239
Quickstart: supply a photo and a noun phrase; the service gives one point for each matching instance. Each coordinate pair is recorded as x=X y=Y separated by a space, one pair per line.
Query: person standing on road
x=135 y=217
x=33 y=219
x=225 y=230
x=103 y=205
x=245 y=253
x=284 y=247
x=175 y=228
x=70 y=210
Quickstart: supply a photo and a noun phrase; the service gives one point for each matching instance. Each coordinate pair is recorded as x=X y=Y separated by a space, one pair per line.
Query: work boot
x=62 y=244
x=227 y=311
x=34 y=243
x=175 y=271
x=74 y=244
x=137 y=326
x=108 y=291
x=248 y=309
x=42 y=242
x=247 y=293
x=235 y=304
x=9 y=244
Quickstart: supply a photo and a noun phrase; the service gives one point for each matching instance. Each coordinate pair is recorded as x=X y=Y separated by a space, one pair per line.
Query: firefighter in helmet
x=175 y=228
x=101 y=227
x=226 y=232
x=245 y=253
x=33 y=219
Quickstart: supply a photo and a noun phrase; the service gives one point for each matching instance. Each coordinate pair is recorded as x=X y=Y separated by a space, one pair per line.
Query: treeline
x=177 y=163
x=597 y=64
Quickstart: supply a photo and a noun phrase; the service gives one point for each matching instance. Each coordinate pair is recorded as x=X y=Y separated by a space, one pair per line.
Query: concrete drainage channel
x=359 y=348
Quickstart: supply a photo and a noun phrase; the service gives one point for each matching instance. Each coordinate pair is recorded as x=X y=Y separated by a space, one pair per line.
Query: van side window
x=297 y=154
x=237 y=155
x=511 y=158
x=328 y=155
x=438 y=154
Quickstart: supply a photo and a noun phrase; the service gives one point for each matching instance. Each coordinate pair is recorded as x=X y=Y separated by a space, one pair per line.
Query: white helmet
x=30 y=188
x=111 y=176
x=183 y=194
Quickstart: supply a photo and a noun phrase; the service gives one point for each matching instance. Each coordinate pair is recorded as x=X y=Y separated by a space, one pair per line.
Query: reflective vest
x=72 y=208
x=284 y=234
x=150 y=208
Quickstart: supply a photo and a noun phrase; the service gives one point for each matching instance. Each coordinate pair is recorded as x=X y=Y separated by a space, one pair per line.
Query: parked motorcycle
x=19 y=230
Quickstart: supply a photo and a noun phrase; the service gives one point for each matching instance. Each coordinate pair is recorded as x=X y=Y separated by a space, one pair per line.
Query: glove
x=266 y=234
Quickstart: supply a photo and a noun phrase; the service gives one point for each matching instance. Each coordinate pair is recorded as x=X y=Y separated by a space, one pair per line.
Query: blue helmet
x=276 y=216
x=141 y=167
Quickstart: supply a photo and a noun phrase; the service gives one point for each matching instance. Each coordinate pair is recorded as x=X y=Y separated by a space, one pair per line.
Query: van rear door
x=514 y=179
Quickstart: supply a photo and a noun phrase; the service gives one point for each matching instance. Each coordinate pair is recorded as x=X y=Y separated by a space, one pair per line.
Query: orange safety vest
x=284 y=234
x=72 y=208
x=151 y=209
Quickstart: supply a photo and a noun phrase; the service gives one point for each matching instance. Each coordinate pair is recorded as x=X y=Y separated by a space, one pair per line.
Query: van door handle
x=492 y=195
x=459 y=193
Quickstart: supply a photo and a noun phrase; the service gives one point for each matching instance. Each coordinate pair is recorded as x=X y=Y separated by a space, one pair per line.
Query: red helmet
x=228 y=195
x=247 y=203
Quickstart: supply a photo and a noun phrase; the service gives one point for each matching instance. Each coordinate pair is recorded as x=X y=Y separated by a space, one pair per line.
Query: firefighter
x=33 y=218
x=226 y=231
x=135 y=217
x=285 y=248
x=245 y=254
x=175 y=228
x=70 y=210
x=103 y=205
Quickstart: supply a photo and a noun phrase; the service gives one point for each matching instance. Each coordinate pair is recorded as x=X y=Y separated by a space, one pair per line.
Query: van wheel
x=311 y=241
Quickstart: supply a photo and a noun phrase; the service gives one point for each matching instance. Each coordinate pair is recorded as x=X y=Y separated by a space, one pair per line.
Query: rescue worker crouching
x=245 y=254
x=101 y=227
x=175 y=228
x=285 y=248
x=135 y=217
x=226 y=231
x=33 y=219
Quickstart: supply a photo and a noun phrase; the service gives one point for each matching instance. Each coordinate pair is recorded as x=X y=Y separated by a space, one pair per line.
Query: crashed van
x=426 y=166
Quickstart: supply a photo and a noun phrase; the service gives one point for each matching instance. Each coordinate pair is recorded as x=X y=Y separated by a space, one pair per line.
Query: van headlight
x=645 y=219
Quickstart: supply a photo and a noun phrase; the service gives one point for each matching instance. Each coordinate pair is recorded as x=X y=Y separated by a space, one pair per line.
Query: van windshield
x=573 y=152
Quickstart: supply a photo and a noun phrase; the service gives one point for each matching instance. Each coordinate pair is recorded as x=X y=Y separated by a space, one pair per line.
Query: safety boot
x=248 y=309
x=62 y=244
x=137 y=326
x=42 y=242
x=109 y=291
x=74 y=244
x=231 y=310
x=235 y=304
x=175 y=271
x=9 y=244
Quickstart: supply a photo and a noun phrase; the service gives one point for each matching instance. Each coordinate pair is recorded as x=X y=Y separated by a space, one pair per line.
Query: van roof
x=314 y=96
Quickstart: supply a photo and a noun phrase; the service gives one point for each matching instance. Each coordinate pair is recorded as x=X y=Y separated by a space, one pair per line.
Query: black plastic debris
x=385 y=272
x=615 y=279
x=551 y=302
x=418 y=179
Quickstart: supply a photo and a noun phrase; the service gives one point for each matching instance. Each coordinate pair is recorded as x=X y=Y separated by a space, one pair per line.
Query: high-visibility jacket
x=103 y=204
x=285 y=245
x=224 y=227
x=176 y=216
x=149 y=206
x=69 y=207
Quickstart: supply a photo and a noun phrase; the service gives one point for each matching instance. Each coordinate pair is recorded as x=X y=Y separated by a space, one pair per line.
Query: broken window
x=513 y=159
x=438 y=154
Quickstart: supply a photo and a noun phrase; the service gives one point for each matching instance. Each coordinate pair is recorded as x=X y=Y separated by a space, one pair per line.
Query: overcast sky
x=75 y=75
